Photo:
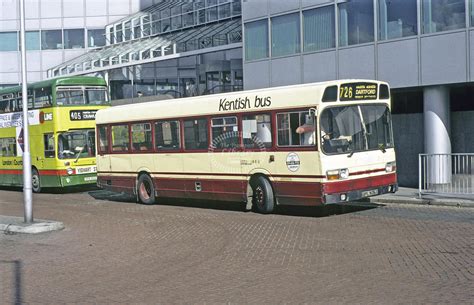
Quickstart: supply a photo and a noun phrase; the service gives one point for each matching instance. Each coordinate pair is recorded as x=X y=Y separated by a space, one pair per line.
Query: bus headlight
x=391 y=167
x=70 y=171
x=337 y=174
x=344 y=173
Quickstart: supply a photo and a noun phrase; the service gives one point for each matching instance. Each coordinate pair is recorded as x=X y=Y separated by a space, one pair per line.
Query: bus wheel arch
x=262 y=195
x=145 y=188
x=35 y=180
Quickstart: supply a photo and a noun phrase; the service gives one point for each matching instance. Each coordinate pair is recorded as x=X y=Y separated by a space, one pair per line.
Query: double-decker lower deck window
x=120 y=139
x=195 y=134
x=8 y=147
x=295 y=129
x=257 y=131
x=167 y=135
x=225 y=132
x=49 y=149
x=141 y=137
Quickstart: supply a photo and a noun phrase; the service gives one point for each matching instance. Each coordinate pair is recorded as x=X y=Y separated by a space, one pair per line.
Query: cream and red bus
x=310 y=144
x=62 y=131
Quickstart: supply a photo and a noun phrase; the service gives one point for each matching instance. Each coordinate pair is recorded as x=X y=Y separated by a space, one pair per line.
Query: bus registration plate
x=370 y=193
x=86 y=170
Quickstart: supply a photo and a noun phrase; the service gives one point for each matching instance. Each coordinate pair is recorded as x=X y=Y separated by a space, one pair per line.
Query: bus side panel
x=125 y=184
x=298 y=193
x=170 y=187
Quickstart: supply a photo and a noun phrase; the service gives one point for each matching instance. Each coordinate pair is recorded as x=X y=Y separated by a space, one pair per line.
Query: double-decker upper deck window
x=103 y=139
x=195 y=134
x=225 y=132
x=167 y=135
x=296 y=129
x=70 y=96
x=43 y=97
x=257 y=131
x=96 y=95
x=120 y=139
x=141 y=137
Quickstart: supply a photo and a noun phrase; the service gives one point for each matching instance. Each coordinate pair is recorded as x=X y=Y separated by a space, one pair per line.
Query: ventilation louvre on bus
x=330 y=94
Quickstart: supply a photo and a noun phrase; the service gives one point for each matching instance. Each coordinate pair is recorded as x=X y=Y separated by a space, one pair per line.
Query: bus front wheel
x=146 y=189
x=35 y=181
x=262 y=199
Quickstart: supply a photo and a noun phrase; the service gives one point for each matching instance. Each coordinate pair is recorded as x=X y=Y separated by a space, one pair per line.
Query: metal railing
x=446 y=174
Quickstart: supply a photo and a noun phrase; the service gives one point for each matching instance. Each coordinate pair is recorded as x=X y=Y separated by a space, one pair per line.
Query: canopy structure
x=168 y=28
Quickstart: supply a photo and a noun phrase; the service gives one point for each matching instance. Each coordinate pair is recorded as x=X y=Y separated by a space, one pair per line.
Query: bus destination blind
x=358 y=91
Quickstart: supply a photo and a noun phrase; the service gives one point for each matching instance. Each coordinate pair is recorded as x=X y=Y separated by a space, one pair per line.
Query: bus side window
x=296 y=129
x=103 y=139
x=257 y=131
x=8 y=147
x=167 y=135
x=225 y=132
x=196 y=134
x=120 y=138
x=43 y=97
x=49 y=149
x=141 y=137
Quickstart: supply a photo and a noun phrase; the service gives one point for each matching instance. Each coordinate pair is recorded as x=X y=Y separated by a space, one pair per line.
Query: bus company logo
x=45 y=117
x=228 y=142
x=244 y=103
x=293 y=162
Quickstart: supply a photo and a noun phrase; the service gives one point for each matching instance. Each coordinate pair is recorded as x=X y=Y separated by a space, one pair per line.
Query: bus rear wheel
x=146 y=189
x=35 y=181
x=263 y=199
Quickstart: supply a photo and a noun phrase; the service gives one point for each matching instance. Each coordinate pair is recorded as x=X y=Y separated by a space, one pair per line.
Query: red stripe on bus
x=359 y=184
x=45 y=172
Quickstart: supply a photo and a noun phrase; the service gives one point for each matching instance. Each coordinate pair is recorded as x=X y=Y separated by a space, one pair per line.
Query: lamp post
x=27 y=189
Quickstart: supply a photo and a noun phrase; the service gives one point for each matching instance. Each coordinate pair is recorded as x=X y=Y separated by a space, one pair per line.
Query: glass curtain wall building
x=170 y=49
x=423 y=48
x=56 y=31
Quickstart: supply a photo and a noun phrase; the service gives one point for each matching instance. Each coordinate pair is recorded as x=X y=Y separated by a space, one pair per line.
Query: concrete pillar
x=436 y=112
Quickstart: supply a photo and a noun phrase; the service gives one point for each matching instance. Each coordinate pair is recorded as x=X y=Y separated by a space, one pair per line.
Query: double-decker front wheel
x=35 y=181
x=263 y=199
x=146 y=189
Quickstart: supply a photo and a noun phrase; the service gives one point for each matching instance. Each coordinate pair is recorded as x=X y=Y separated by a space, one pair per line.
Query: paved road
x=121 y=252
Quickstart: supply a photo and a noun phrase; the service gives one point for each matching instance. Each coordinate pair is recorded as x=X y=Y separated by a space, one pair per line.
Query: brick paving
x=115 y=251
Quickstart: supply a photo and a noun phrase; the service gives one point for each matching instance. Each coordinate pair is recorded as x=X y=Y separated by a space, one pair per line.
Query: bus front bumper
x=359 y=194
x=72 y=180
x=352 y=190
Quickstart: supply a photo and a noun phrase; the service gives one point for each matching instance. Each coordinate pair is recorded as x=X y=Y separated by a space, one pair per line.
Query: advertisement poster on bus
x=15 y=119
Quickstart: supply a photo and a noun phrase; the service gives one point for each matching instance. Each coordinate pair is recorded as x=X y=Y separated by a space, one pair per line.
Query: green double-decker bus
x=61 y=116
